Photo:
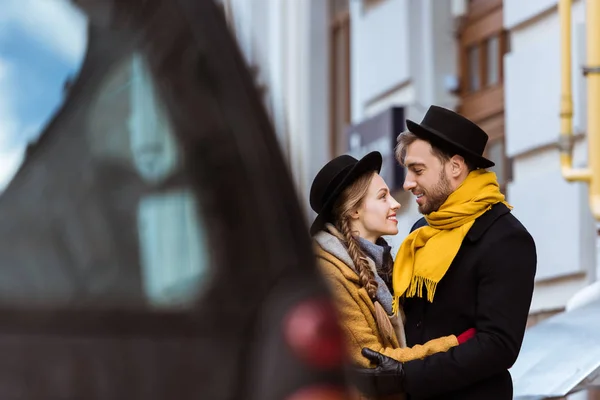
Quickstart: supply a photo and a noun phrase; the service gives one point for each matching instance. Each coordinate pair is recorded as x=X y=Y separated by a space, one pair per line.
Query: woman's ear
x=354 y=214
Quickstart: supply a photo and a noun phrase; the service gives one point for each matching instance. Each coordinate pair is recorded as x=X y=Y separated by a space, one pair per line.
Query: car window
x=95 y=208
x=151 y=242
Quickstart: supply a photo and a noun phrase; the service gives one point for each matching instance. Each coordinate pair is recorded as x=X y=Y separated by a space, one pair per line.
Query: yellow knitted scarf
x=426 y=254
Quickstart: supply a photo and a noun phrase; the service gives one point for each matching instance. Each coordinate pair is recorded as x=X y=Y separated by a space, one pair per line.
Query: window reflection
x=152 y=143
x=173 y=256
x=129 y=123
x=172 y=253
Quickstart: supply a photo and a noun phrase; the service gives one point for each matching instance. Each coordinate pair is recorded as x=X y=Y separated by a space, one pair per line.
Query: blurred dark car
x=152 y=245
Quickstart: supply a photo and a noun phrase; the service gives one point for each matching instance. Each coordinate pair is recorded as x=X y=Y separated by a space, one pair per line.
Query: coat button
x=419 y=324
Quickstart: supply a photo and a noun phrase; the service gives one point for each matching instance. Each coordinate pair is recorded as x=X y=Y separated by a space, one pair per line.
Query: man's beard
x=437 y=195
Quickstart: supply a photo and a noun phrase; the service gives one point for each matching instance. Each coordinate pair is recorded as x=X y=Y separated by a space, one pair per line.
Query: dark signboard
x=379 y=133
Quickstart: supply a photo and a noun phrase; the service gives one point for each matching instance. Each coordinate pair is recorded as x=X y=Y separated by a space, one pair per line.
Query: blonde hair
x=349 y=201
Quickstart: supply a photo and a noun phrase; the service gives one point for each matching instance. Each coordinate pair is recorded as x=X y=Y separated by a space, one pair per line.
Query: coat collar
x=331 y=249
x=336 y=263
x=330 y=243
x=483 y=223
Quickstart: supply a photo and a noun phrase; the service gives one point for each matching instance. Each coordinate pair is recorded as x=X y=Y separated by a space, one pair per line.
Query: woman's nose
x=395 y=204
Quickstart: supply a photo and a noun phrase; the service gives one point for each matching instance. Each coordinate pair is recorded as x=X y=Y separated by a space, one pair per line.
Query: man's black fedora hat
x=451 y=131
x=333 y=178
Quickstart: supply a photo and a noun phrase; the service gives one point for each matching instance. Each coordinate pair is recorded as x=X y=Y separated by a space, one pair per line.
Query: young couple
x=446 y=318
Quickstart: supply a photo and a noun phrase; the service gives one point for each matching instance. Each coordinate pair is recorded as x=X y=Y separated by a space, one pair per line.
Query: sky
x=42 y=43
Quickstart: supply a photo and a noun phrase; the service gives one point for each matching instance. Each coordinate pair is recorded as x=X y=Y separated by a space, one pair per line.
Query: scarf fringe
x=416 y=289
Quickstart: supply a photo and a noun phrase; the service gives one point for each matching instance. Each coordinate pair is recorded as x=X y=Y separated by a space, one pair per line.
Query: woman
x=355 y=209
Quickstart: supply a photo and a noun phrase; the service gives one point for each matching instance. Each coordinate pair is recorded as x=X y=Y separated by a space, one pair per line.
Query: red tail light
x=312 y=331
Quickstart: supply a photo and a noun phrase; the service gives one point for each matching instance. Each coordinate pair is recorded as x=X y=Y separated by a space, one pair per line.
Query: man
x=468 y=263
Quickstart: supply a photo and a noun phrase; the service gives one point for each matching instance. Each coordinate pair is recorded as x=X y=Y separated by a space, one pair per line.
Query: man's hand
x=384 y=380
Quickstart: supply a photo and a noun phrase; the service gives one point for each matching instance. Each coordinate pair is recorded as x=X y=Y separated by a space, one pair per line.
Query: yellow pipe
x=566 y=99
x=593 y=101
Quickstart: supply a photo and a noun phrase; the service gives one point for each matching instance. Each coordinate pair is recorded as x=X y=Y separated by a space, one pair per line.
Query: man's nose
x=409 y=184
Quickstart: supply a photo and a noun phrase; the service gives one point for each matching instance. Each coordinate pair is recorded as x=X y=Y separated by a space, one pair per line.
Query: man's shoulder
x=420 y=223
x=508 y=222
x=502 y=231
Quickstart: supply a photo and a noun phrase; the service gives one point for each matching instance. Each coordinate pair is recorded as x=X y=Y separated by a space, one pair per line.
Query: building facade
x=564 y=227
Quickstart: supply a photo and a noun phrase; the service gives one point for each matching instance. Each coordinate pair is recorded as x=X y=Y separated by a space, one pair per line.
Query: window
x=473 y=68
x=483 y=67
x=339 y=74
x=482 y=45
x=493 y=60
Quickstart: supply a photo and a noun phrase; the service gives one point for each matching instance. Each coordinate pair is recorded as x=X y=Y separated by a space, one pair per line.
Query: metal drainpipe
x=566 y=99
x=592 y=71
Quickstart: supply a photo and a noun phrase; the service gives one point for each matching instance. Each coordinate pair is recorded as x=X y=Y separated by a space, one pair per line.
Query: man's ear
x=457 y=165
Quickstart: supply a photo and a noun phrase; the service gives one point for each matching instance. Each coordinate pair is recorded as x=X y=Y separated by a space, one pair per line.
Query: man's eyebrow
x=414 y=164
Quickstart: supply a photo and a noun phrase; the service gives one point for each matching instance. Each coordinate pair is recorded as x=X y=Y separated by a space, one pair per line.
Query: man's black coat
x=489 y=287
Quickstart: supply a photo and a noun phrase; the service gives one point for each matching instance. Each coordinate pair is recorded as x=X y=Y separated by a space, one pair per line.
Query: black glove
x=384 y=380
